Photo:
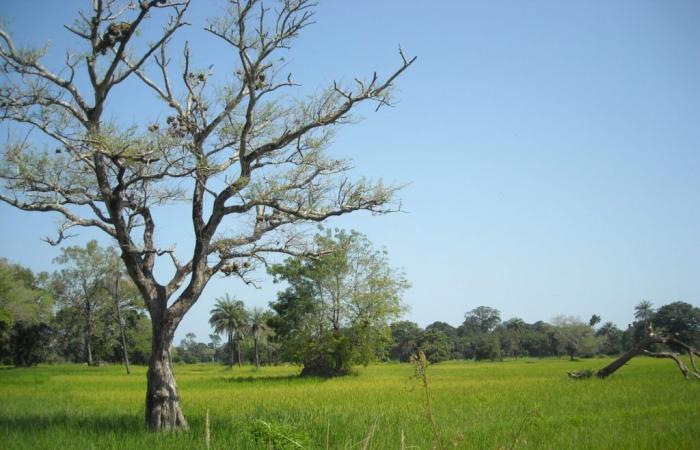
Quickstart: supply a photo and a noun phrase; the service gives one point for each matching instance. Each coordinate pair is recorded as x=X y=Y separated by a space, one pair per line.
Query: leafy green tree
x=83 y=290
x=488 y=346
x=452 y=333
x=679 y=319
x=436 y=345
x=190 y=351
x=594 y=320
x=481 y=319
x=442 y=327
x=240 y=153
x=405 y=337
x=609 y=339
x=94 y=302
x=25 y=315
x=512 y=333
x=138 y=336
x=229 y=317
x=578 y=337
x=336 y=310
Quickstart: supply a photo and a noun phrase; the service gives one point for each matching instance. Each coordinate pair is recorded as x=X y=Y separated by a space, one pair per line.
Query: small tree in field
x=242 y=154
x=337 y=309
x=88 y=284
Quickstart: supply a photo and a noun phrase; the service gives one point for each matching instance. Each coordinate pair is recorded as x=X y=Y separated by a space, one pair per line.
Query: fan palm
x=258 y=324
x=644 y=311
x=229 y=317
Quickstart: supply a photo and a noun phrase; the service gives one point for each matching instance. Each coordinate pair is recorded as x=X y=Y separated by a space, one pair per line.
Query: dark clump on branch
x=116 y=33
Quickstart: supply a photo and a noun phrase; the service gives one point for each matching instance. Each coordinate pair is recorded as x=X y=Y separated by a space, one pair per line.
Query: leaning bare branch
x=642 y=348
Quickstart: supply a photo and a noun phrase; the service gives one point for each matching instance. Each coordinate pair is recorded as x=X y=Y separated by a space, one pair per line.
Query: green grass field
x=647 y=404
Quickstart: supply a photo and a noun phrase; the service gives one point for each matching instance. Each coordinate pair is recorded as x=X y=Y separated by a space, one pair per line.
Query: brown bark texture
x=163 y=411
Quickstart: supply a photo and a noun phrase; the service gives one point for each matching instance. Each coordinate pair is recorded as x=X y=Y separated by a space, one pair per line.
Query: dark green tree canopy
x=679 y=319
x=481 y=319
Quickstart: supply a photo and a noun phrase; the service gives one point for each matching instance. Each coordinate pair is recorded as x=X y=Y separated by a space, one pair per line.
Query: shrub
x=279 y=437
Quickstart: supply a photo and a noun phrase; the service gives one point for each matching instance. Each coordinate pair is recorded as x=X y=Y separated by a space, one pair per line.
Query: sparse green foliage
x=336 y=310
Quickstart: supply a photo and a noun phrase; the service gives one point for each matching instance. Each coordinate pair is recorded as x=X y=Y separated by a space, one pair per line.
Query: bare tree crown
x=242 y=153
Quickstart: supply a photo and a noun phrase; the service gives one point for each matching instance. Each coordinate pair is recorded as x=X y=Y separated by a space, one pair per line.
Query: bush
x=278 y=437
x=330 y=356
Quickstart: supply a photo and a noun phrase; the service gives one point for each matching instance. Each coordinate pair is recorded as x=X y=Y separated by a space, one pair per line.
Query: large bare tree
x=244 y=154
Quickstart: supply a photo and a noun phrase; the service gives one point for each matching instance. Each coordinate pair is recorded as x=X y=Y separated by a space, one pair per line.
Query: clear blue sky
x=552 y=150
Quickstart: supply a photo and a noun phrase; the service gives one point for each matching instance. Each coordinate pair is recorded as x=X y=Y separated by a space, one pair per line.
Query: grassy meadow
x=526 y=403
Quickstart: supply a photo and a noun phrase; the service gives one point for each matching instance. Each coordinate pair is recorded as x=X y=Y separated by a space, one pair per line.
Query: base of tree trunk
x=163 y=410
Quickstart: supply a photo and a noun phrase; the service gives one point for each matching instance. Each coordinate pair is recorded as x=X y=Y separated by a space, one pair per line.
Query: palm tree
x=257 y=324
x=229 y=317
x=644 y=311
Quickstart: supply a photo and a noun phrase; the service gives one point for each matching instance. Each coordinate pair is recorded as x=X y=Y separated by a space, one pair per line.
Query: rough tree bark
x=163 y=411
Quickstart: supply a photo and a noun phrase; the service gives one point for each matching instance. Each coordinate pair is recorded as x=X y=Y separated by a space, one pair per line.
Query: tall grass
x=645 y=405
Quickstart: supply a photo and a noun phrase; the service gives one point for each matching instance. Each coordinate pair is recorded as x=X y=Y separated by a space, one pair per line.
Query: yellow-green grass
x=647 y=404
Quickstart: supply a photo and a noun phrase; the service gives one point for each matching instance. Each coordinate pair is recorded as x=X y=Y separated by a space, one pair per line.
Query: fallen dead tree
x=643 y=348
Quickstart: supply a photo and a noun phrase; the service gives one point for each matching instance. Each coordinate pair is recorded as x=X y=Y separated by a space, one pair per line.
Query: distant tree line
x=85 y=312
x=483 y=335
x=338 y=310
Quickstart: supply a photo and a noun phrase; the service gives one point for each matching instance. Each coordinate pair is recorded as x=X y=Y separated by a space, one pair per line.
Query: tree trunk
x=238 y=350
x=622 y=360
x=88 y=330
x=257 y=358
x=121 y=327
x=641 y=349
x=88 y=345
x=230 y=351
x=162 y=400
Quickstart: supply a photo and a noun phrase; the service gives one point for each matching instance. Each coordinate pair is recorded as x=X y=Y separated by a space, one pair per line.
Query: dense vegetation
x=326 y=320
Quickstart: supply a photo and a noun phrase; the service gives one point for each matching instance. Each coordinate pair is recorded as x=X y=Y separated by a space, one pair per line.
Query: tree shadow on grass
x=278 y=379
x=263 y=379
x=115 y=424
